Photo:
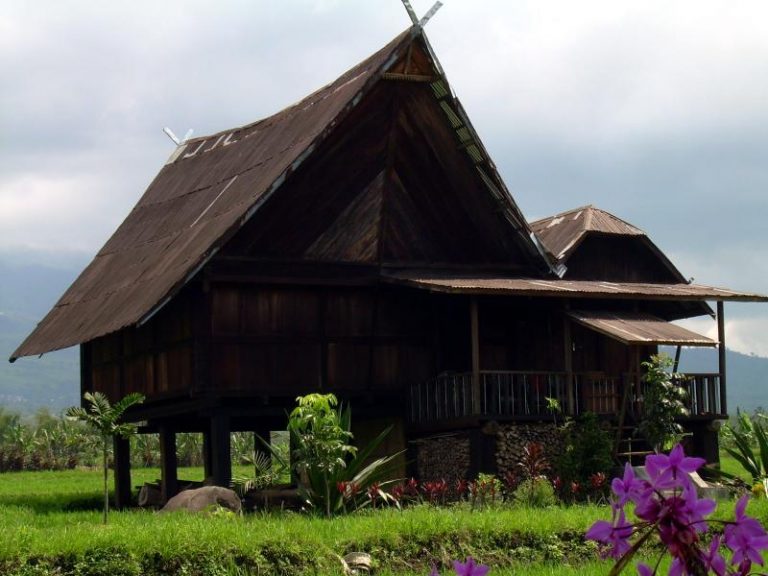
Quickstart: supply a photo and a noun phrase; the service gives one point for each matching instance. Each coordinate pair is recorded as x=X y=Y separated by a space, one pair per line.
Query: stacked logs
x=443 y=458
x=512 y=438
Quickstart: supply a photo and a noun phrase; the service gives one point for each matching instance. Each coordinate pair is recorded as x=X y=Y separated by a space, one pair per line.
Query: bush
x=587 y=454
x=536 y=493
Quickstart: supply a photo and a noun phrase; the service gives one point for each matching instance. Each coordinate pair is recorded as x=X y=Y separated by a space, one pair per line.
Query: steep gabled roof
x=212 y=185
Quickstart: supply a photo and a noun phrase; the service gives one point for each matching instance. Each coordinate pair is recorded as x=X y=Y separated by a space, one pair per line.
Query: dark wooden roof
x=213 y=185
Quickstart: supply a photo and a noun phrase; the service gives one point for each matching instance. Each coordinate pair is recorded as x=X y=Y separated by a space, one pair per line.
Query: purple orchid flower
x=644 y=570
x=627 y=488
x=669 y=506
x=713 y=560
x=470 y=568
x=671 y=471
x=746 y=536
x=613 y=536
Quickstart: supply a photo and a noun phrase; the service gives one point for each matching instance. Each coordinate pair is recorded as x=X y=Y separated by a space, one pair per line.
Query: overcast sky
x=656 y=111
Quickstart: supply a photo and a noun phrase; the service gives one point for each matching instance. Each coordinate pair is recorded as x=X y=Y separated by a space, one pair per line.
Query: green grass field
x=51 y=526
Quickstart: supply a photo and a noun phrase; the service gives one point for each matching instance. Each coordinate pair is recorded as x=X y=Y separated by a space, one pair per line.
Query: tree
x=322 y=439
x=104 y=418
x=333 y=473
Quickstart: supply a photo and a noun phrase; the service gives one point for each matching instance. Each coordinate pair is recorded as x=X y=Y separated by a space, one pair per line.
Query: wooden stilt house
x=362 y=242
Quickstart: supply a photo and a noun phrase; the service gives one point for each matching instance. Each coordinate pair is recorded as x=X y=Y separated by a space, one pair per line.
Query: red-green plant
x=534 y=461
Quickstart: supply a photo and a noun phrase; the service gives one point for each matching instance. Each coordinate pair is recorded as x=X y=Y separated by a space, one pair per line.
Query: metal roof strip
x=639 y=328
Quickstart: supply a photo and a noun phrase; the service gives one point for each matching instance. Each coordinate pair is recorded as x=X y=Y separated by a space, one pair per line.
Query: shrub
x=486 y=490
x=587 y=454
x=536 y=493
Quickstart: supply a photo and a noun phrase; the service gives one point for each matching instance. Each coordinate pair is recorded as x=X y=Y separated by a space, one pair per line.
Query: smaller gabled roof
x=563 y=232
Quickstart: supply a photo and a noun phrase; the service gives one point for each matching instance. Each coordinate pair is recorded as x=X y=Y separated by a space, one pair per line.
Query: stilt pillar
x=220 y=450
x=122 y=459
x=169 y=473
x=207 y=455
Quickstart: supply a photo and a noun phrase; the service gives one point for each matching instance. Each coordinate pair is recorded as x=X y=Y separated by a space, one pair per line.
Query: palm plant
x=750 y=447
x=104 y=418
x=189 y=449
x=146 y=449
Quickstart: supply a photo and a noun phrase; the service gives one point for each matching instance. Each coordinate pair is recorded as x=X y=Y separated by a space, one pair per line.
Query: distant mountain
x=27 y=291
x=747 y=375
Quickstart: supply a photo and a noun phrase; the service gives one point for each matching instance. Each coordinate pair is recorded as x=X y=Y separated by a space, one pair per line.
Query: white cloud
x=744 y=331
x=42 y=212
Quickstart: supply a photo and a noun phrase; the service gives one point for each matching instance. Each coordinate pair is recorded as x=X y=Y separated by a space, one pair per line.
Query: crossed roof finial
x=415 y=19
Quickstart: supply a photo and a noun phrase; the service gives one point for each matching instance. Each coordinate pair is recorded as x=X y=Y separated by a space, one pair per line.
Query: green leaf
x=762 y=442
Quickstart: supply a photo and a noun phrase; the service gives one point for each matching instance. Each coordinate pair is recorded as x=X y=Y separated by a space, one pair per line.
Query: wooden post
x=677 y=359
x=477 y=392
x=207 y=454
x=221 y=455
x=169 y=473
x=568 y=352
x=122 y=459
x=721 y=355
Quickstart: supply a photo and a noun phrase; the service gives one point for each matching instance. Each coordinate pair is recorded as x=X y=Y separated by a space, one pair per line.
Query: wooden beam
x=169 y=473
x=122 y=463
x=721 y=355
x=477 y=393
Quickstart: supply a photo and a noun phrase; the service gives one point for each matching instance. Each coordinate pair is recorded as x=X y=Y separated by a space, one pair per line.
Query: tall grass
x=50 y=524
